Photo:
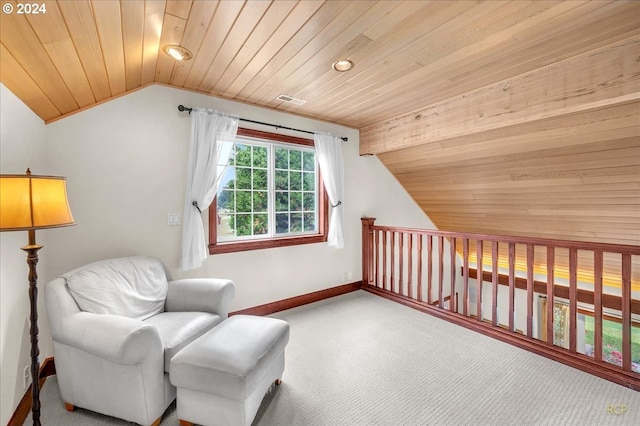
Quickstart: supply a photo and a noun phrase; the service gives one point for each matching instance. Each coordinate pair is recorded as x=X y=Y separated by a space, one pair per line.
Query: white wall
x=22 y=143
x=125 y=163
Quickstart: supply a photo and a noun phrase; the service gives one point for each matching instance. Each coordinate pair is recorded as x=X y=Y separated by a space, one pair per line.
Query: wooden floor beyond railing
x=520 y=298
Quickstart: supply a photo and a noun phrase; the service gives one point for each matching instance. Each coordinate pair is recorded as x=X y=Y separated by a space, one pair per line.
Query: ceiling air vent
x=291 y=99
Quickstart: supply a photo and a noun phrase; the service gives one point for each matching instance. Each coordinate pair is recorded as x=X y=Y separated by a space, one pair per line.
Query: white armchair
x=117 y=323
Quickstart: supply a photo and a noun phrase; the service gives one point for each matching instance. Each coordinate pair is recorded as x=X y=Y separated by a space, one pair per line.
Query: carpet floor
x=359 y=359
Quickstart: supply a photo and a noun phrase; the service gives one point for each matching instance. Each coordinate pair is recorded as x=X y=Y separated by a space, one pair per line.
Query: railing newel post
x=367 y=252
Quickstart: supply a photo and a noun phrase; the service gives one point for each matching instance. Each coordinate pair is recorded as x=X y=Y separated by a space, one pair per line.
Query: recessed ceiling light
x=342 y=65
x=178 y=53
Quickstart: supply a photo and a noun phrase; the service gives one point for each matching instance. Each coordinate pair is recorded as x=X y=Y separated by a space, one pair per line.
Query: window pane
x=260 y=156
x=282 y=201
x=282 y=223
x=260 y=179
x=308 y=201
x=295 y=181
x=282 y=158
x=225 y=225
x=260 y=226
x=295 y=160
x=296 y=222
x=260 y=201
x=243 y=178
x=228 y=178
x=309 y=222
x=243 y=155
x=282 y=180
x=309 y=181
x=296 y=201
x=243 y=224
x=309 y=161
x=243 y=201
x=226 y=200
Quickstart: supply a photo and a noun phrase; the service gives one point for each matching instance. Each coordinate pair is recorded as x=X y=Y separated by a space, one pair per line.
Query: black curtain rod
x=183 y=108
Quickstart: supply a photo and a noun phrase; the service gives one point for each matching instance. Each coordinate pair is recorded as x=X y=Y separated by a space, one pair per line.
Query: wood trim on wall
x=304 y=299
x=48 y=368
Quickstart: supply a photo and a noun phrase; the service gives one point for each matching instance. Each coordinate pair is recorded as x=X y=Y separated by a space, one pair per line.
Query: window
x=611 y=333
x=271 y=195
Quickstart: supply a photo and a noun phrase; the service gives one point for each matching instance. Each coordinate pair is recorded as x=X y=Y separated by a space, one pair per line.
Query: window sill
x=232 y=247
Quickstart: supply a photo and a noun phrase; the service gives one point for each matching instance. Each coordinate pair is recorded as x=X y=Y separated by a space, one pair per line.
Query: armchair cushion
x=178 y=329
x=134 y=287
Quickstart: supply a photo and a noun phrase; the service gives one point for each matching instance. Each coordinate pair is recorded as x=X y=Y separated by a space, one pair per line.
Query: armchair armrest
x=201 y=295
x=115 y=338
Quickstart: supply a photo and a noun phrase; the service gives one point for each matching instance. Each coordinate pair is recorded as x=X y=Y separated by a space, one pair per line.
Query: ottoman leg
x=278 y=382
x=185 y=423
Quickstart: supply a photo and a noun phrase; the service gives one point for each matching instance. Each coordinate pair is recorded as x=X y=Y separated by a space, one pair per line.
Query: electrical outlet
x=27 y=377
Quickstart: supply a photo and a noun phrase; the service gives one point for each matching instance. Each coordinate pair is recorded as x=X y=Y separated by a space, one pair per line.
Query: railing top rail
x=548 y=242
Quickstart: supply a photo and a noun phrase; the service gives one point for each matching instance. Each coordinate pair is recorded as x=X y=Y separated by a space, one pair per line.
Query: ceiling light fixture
x=342 y=65
x=178 y=53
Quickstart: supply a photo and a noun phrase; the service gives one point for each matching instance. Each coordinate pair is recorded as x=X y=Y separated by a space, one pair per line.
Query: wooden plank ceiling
x=508 y=117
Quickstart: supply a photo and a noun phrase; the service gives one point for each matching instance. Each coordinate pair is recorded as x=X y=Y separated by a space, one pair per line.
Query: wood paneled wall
x=552 y=153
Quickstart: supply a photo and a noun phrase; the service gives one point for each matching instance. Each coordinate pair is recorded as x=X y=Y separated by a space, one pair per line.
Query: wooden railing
x=520 y=298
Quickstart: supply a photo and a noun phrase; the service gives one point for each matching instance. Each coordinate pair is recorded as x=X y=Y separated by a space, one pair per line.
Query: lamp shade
x=33 y=202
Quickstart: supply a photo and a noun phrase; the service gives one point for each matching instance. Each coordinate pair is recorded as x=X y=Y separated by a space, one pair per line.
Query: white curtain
x=329 y=152
x=212 y=135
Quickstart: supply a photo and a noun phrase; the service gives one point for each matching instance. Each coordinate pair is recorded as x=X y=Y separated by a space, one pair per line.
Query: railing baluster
x=597 y=304
x=393 y=262
x=377 y=261
x=465 y=273
x=479 y=279
x=494 y=283
x=530 y=259
x=385 y=248
x=551 y=257
x=410 y=266
x=452 y=262
x=440 y=271
x=419 y=259
x=401 y=261
x=429 y=269
x=573 y=299
x=626 y=311
x=512 y=286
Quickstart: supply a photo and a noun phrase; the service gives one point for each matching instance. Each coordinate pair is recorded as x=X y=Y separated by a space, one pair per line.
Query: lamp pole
x=32 y=260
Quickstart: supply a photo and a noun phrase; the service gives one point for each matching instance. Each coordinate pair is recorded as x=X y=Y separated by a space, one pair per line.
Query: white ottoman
x=223 y=375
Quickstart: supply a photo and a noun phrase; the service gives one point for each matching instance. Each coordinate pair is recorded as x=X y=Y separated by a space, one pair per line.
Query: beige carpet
x=359 y=359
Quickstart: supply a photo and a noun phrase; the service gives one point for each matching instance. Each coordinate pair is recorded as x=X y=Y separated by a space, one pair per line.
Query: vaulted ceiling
x=509 y=117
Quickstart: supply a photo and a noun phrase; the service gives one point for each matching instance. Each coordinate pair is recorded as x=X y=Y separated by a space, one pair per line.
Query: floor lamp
x=28 y=203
